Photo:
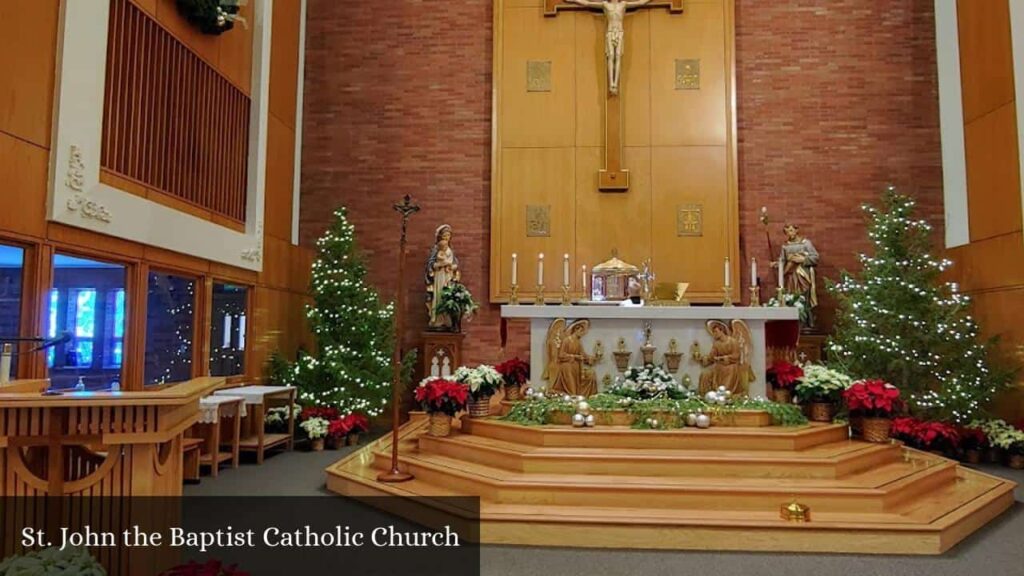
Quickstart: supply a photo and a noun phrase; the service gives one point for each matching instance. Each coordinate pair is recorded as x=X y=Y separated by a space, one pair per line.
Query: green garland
x=668 y=412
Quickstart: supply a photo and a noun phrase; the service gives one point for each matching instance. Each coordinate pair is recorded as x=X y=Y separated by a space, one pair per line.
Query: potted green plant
x=820 y=388
x=457 y=303
x=70 y=561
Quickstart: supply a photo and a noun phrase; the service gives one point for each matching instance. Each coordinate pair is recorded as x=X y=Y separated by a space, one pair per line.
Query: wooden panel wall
x=172 y=122
x=679 y=145
x=991 y=267
x=28 y=40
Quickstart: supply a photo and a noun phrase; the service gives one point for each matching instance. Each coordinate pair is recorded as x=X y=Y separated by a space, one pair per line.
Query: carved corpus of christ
x=615 y=37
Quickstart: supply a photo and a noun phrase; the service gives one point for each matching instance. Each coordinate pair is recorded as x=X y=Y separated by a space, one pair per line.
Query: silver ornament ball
x=579 y=420
x=589 y=420
x=703 y=421
x=583 y=408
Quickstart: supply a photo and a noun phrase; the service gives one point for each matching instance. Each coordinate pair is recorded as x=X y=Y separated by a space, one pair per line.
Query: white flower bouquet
x=821 y=384
x=647 y=382
x=483 y=381
x=315 y=427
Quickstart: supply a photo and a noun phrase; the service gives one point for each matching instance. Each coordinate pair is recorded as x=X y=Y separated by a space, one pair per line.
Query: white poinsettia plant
x=648 y=381
x=315 y=427
x=1001 y=435
x=483 y=381
x=821 y=384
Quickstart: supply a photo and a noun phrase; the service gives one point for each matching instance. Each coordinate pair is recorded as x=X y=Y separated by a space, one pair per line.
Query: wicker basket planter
x=440 y=425
x=972 y=456
x=316 y=444
x=822 y=411
x=512 y=393
x=877 y=429
x=479 y=408
x=782 y=396
x=994 y=455
x=1016 y=461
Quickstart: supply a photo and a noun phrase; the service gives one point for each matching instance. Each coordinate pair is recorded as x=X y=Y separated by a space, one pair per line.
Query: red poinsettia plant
x=972 y=438
x=442 y=396
x=353 y=423
x=936 y=436
x=783 y=375
x=515 y=371
x=904 y=429
x=873 y=398
x=325 y=412
x=208 y=568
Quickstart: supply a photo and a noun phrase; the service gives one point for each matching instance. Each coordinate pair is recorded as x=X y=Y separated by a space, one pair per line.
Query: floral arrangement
x=437 y=395
x=821 y=384
x=515 y=372
x=70 y=561
x=212 y=16
x=783 y=376
x=208 y=568
x=648 y=382
x=315 y=427
x=277 y=416
x=798 y=301
x=483 y=381
x=972 y=438
x=353 y=423
x=1008 y=438
x=323 y=412
x=456 y=302
x=873 y=398
x=904 y=429
x=926 y=435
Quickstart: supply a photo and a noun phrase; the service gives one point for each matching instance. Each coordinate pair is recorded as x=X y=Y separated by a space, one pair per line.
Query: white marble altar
x=686 y=324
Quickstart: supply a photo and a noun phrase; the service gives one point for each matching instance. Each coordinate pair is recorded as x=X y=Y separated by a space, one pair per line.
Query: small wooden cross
x=406 y=208
x=613 y=177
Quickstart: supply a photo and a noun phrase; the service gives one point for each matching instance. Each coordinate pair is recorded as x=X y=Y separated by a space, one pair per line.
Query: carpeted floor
x=996 y=550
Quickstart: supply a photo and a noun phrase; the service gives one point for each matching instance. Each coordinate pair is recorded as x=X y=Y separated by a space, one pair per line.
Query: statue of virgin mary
x=442 y=269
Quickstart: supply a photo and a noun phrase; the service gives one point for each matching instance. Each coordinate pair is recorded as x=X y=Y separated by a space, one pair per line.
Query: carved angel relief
x=568 y=367
x=728 y=362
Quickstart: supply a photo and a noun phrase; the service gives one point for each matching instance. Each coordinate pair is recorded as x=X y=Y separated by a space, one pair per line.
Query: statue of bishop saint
x=615 y=37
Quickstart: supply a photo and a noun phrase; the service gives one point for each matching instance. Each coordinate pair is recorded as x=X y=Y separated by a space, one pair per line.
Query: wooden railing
x=171 y=121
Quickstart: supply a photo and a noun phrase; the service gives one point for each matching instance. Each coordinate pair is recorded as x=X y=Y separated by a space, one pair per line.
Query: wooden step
x=877 y=490
x=832 y=460
x=714 y=438
x=955 y=511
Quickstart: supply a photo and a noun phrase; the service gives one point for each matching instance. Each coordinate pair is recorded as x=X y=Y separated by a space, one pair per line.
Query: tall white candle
x=753 y=271
x=540 y=268
x=584 y=281
x=782 y=265
x=727 y=283
x=565 y=270
x=515 y=268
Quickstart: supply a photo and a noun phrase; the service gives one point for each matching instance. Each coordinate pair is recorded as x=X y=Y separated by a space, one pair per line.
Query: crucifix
x=613 y=177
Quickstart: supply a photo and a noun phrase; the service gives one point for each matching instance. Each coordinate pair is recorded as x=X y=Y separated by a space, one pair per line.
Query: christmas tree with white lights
x=897 y=320
x=351 y=369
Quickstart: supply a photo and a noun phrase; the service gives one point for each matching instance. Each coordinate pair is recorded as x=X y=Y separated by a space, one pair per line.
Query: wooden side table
x=213 y=411
x=257 y=399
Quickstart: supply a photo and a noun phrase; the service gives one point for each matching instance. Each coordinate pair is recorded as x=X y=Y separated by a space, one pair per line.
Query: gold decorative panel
x=690 y=220
x=688 y=74
x=538 y=76
x=538 y=220
x=675 y=127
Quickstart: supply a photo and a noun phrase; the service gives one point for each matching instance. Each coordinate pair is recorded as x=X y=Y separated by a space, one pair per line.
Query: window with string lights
x=170 y=328
x=229 y=306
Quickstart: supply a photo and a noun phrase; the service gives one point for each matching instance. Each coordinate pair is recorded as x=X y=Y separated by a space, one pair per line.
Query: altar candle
x=782 y=264
x=753 y=271
x=727 y=283
x=515 y=269
x=584 y=282
x=540 y=269
x=565 y=270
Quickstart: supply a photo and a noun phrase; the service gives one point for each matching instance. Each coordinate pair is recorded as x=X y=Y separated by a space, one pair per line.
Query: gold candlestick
x=727 y=300
x=780 y=295
x=755 y=296
x=538 y=300
x=514 y=298
x=566 y=299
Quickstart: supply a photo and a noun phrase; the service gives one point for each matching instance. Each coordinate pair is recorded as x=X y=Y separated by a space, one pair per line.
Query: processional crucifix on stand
x=613 y=177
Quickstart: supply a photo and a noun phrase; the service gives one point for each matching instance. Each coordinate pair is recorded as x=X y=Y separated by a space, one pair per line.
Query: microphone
x=64 y=339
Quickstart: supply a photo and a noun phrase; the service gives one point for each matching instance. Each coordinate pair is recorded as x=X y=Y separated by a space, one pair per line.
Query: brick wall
x=833 y=104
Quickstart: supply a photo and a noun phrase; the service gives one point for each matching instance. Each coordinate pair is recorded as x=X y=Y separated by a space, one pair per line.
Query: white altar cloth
x=210 y=407
x=687 y=324
x=254 y=395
